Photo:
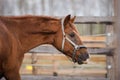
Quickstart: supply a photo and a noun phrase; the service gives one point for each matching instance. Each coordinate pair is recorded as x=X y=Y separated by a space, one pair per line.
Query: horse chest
x=0 y=69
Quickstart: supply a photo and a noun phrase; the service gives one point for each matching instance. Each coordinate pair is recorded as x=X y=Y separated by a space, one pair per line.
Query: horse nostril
x=84 y=56
x=87 y=55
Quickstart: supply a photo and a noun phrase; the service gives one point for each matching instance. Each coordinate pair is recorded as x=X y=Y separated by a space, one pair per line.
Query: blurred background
x=95 y=27
x=57 y=7
x=60 y=8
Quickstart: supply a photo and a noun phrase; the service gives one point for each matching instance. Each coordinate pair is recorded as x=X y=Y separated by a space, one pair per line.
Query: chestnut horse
x=20 y=34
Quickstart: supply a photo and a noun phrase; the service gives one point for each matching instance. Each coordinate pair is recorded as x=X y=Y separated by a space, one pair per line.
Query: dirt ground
x=38 y=77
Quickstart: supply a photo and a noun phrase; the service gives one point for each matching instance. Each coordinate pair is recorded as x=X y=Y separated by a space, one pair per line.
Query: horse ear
x=73 y=19
x=67 y=19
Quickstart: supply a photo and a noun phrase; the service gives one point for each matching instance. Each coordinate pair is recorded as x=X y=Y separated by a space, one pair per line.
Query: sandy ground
x=38 y=77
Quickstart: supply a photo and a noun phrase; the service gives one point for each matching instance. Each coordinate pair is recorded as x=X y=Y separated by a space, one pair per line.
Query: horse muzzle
x=82 y=58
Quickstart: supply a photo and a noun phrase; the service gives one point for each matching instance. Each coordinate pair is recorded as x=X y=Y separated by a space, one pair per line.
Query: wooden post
x=55 y=66
x=117 y=41
x=109 y=56
x=34 y=60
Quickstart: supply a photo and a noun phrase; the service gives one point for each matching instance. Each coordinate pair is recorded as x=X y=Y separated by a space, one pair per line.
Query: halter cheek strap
x=76 y=47
x=63 y=33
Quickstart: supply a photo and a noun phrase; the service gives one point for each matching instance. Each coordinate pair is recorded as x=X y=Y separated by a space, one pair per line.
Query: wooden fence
x=59 y=64
x=52 y=62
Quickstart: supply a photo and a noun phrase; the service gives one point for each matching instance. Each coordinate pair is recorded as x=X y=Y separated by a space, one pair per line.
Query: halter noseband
x=76 y=47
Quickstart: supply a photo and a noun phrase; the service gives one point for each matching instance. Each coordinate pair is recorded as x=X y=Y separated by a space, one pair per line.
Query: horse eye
x=72 y=35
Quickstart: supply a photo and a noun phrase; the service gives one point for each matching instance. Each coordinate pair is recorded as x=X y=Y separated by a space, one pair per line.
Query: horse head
x=68 y=41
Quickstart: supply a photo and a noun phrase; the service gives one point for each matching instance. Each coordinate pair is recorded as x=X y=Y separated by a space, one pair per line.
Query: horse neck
x=32 y=32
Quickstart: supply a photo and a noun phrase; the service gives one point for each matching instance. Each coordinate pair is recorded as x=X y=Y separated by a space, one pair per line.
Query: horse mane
x=28 y=17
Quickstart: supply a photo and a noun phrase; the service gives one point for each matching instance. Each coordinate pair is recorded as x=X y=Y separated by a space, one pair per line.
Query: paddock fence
x=46 y=60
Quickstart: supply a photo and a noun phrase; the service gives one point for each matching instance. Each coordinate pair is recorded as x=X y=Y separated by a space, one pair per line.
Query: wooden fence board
x=41 y=77
x=93 y=38
x=47 y=64
x=92 y=19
